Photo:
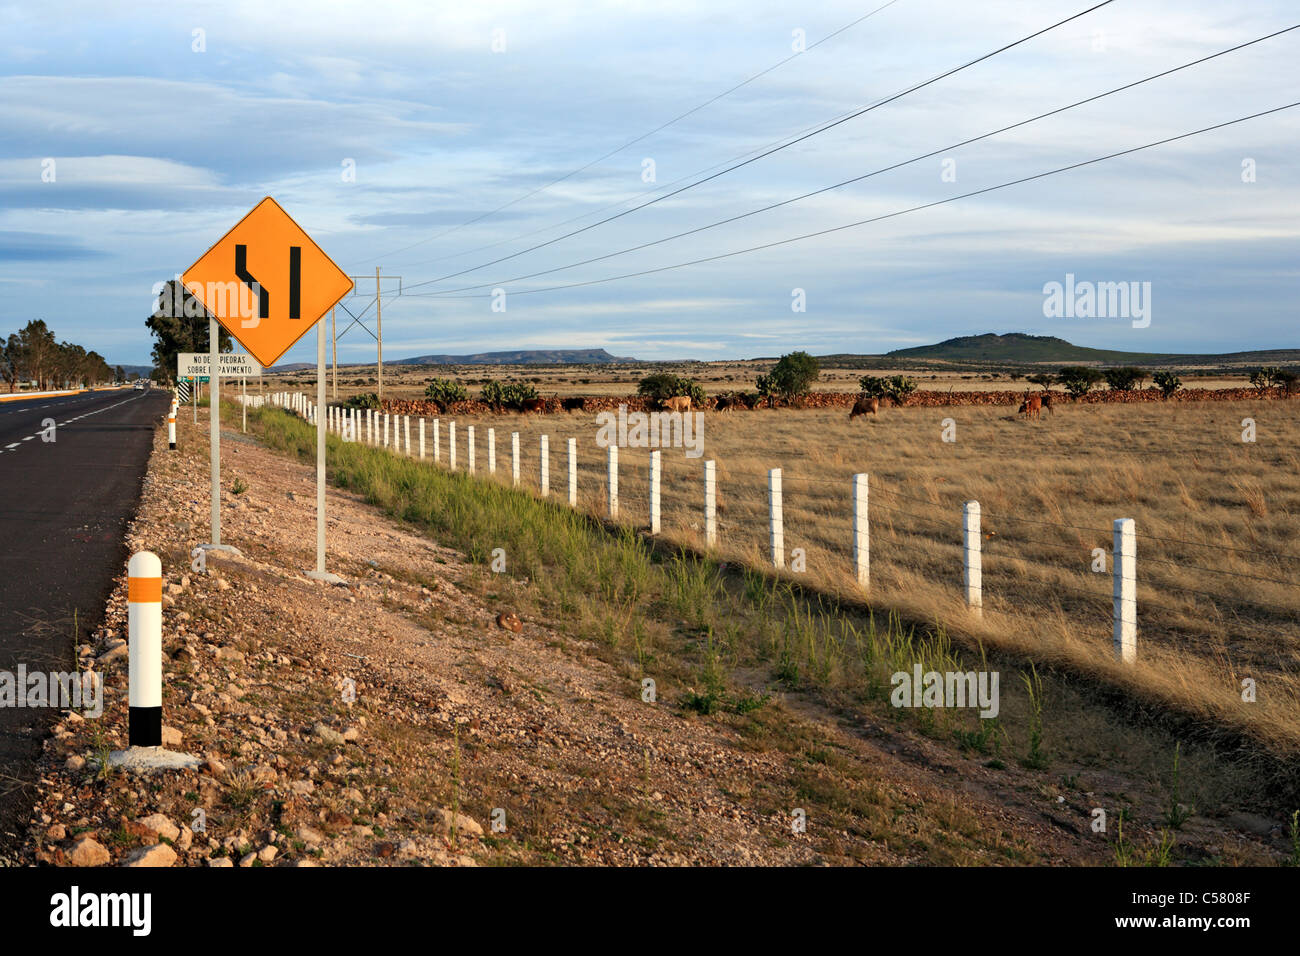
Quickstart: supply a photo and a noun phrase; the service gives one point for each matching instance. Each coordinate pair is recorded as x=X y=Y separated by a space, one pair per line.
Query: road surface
x=64 y=508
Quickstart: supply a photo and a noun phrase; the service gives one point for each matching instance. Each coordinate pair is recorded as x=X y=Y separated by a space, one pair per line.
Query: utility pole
x=377 y=335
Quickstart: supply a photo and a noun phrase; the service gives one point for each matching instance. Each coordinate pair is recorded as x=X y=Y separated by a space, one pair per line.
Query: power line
x=775 y=149
x=891 y=215
x=634 y=141
x=864 y=176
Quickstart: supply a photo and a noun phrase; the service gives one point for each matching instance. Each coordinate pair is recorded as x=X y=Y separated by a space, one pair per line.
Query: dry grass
x=1217 y=519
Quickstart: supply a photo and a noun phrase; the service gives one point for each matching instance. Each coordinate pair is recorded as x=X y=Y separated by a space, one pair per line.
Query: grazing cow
x=726 y=403
x=864 y=406
x=1032 y=408
x=534 y=405
x=679 y=403
x=1047 y=401
x=574 y=404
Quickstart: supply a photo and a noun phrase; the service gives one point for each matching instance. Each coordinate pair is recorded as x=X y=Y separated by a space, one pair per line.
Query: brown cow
x=864 y=406
x=725 y=403
x=534 y=405
x=679 y=403
x=1047 y=401
x=574 y=404
x=1032 y=408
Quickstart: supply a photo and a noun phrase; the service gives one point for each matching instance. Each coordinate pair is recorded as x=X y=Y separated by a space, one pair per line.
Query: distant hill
x=522 y=357
x=1019 y=347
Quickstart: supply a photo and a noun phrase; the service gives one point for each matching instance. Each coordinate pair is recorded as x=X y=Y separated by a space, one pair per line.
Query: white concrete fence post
x=144 y=649
x=1124 y=562
x=514 y=457
x=406 y=426
x=451 y=445
x=421 y=439
x=544 y=458
x=612 y=465
x=710 y=503
x=437 y=441
x=972 y=557
x=775 y=517
x=573 y=472
x=469 y=448
x=492 y=451
x=861 y=531
x=654 y=491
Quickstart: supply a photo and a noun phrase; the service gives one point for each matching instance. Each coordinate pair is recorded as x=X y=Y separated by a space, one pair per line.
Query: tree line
x=33 y=354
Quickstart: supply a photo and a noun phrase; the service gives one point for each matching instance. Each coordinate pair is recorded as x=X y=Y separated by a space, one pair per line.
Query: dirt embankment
x=920 y=398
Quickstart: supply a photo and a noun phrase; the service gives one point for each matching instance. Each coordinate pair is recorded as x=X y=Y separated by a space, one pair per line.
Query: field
x=408 y=381
x=1217 y=519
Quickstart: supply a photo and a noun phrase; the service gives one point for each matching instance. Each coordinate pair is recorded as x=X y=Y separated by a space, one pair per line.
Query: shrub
x=1167 y=382
x=1271 y=376
x=364 y=400
x=896 y=387
x=1045 y=379
x=662 y=385
x=1078 y=380
x=445 y=391
x=791 y=377
x=1125 y=379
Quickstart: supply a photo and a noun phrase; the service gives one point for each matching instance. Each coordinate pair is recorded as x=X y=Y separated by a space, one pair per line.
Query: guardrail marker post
x=171 y=429
x=775 y=517
x=973 y=559
x=710 y=503
x=1124 y=560
x=514 y=457
x=492 y=451
x=612 y=455
x=144 y=649
x=469 y=448
x=861 y=531
x=545 y=458
x=654 y=491
x=573 y=472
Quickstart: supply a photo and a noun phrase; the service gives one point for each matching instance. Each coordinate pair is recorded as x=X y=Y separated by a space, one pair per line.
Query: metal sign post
x=322 y=416
x=214 y=431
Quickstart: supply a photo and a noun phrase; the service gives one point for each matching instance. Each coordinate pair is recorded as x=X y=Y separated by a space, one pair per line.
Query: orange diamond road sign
x=267 y=282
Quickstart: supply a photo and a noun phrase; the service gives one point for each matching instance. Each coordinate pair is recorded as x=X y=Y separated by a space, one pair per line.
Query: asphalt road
x=64 y=509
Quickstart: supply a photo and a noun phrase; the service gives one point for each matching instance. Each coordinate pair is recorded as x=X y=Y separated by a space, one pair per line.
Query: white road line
x=14 y=445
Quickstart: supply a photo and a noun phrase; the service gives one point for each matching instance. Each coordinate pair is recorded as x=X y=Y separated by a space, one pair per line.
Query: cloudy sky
x=395 y=133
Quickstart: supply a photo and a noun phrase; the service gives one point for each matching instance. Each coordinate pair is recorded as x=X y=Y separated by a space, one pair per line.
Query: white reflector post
x=144 y=651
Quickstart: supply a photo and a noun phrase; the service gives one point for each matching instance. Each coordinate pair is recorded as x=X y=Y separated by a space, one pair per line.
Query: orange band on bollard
x=144 y=590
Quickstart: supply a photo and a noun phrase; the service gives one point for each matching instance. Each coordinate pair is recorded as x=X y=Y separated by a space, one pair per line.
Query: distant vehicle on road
x=140 y=385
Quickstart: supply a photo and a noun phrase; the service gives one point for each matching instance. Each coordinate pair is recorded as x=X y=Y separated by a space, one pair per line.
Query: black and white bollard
x=145 y=752
x=171 y=429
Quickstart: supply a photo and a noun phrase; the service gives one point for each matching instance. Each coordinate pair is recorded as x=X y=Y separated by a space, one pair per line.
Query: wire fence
x=910 y=535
